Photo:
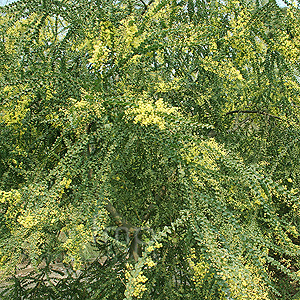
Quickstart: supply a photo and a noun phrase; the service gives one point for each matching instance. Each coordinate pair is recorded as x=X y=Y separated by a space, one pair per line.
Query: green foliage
x=149 y=149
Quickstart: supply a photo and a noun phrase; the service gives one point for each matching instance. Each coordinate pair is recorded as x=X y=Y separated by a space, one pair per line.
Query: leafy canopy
x=151 y=146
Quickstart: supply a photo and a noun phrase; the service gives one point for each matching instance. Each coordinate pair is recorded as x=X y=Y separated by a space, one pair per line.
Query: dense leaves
x=149 y=150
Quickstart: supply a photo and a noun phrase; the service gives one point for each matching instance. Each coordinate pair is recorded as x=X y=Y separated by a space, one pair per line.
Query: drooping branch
x=134 y=249
x=146 y=5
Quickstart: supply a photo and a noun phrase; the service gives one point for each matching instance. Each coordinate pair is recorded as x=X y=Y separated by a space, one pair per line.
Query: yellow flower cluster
x=154 y=14
x=163 y=86
x=2 y=258
x=102 y=48
x=238 y=36
x=222 y=68
x=14 y=33
x=203 y=154
x=288 y=48
x=14 y=115
x=200 y=268
x=81 y=104
x=245 y=284
x=78 y=237
x=38 y=217
x=149 y=113
x=79 y=113
x=29 y=221
x=160 y=57
x=132 y=39
x=151 y=248
x=149 y=262
x=65 y=184
x=134 y=274
x=239 y=22
x=100 y=54
x=138 y=283
x=12 y=200
x=8 y=197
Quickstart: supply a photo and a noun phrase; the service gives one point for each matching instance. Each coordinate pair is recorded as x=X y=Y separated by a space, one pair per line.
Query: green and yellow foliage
x=152 y=148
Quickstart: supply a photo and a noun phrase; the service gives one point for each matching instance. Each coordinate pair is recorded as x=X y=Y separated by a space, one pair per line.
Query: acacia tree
x=174 y=122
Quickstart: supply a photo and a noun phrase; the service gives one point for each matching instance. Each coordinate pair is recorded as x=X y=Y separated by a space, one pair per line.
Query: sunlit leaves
x=175 y=123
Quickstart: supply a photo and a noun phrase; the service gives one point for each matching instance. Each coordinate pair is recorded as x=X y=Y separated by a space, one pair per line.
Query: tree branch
x=134 y=249
x=119 y=220
x=146 y=5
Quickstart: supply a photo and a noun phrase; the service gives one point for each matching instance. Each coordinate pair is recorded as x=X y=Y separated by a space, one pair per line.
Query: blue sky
x=280 y=3
x=3 y=2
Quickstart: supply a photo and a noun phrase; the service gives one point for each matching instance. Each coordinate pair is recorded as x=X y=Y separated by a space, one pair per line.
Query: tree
x=151 y=146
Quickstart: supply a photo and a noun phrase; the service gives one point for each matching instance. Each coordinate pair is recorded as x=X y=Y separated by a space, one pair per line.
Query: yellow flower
x=158 y=245
x=150 y=249
x=149 y=262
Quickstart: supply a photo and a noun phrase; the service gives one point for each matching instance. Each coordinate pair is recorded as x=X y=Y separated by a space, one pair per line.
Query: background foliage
x=176 y=122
